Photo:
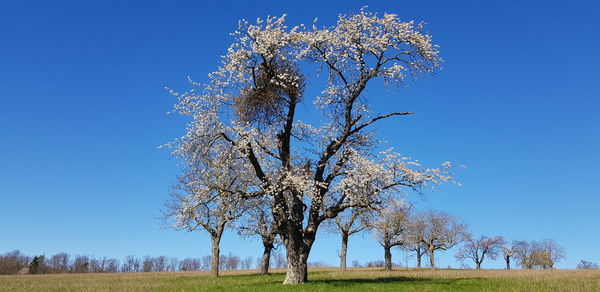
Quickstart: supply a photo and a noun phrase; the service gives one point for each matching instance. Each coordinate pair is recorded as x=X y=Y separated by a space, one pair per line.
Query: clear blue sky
x=82 y=110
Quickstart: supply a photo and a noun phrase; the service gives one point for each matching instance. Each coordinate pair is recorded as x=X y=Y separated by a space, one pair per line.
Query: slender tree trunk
x=507 y=263
x=431 y=259
x=344 y=251
x=419 y=256
x=387 y=250
x=214 y=260
x=266 y=258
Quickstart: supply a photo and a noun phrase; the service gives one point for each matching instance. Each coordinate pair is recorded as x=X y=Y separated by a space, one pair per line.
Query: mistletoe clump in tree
x=311 y=172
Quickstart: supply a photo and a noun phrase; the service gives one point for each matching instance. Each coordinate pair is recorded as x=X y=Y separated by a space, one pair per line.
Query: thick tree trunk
x=214 y=260
x=478 y=265
x=419 y=256
x=344 y=251
x=297 y=256
x=266 y=258
x=432 y=259
x=387 y=250
x=508 y=263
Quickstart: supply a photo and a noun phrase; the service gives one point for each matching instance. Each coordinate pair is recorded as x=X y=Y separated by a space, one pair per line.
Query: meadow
x=321 y=279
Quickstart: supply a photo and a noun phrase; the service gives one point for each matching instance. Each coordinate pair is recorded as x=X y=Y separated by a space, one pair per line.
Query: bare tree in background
x=247 y=263
x=477 y=249
x=416 y=247
x=12 y=262
x=350 y=221
x=81 y=264
x=98 y=265
x=509 y=252
x=544 y=254
x=587 y=265
x=190 y=264
x=159 y=264
x=148 y=264
x=112 y=265
x=59 y=263
x=436 y=231
x=131 y=264
x=524 y=251
x=553 y=250
x=390 y=227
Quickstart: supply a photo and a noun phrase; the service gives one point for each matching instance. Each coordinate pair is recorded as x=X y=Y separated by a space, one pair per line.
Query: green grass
x=320 y=280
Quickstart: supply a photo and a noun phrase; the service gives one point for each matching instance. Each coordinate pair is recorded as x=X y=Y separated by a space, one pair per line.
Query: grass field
x=321 y=279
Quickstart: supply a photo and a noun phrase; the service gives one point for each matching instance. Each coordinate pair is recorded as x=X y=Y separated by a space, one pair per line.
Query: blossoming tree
x=210 y=193
x=311 y=171
x=390 y=228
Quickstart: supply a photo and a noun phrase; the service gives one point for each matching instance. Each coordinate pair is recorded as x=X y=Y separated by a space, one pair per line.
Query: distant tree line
x=15 y=262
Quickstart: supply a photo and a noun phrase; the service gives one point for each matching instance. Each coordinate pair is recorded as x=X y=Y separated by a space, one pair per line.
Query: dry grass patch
x=322 y=279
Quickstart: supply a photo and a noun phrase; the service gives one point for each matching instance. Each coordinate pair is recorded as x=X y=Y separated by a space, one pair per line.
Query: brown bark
x=387 y=250
x=344 y=250
x=266 y=259
x=431 y=258
x=297 y=255
x=214 y=260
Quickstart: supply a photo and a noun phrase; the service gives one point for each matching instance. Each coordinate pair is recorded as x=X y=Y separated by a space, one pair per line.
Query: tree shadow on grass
x=383 y=280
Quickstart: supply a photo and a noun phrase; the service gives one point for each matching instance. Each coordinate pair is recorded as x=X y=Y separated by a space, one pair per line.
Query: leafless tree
x=206 y=262
x=279 y=260
x=229 y=262
x=12 y=262
x=477 y=249
x=509 y=252
x=172 y=264
x=554 y=251
x=131 y=264
x=524 y=251
x=349 y=222
x=59 y=263
x=81 y=264
x=98 y=265
x=159 y=264
x=436 y=231
x=190 y=264
x=390 y=228
x=246 y=263
x=416 y=247
x=542 y=254
x=112 y=265
x=586 y=265
x=148 y=264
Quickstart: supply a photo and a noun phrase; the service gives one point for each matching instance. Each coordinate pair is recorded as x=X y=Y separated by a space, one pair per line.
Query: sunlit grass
x=321 y=279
